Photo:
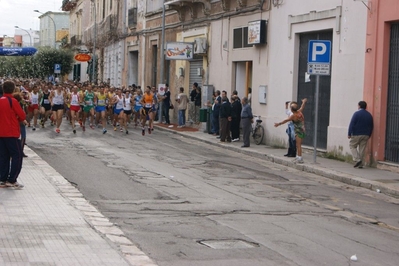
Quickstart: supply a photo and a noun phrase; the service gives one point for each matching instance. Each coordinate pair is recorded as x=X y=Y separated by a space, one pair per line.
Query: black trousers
x=165 y=112
x=235 y=128
x=224 y=129
x=10 y=148
x=246 y=130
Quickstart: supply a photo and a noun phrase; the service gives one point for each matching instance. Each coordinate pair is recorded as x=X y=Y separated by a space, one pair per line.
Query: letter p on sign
x=319 y=51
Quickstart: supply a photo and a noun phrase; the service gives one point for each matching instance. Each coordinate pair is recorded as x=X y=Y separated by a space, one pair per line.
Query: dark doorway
x=392 y=130
x=307 y=90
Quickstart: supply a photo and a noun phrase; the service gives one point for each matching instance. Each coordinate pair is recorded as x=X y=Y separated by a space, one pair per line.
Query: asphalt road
x=184 y=202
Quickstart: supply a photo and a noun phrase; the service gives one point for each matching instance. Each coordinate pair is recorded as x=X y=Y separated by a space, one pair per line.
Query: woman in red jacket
x=11 y=114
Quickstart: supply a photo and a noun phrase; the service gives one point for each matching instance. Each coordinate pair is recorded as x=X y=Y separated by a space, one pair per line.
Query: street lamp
x=26 y=32
x=55 y=28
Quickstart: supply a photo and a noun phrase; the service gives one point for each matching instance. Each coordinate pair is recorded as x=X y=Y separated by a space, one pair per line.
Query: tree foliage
x=41 y=65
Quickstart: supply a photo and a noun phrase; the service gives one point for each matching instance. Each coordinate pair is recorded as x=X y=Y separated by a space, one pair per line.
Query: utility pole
x=93 y=75
x=162 y=56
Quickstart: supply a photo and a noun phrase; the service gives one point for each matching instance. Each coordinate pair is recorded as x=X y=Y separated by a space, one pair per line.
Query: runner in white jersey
x=57 y=99
x=117 y=102
x=33 y=108
x=137 y=106
x=127 y=109
x=74 y=102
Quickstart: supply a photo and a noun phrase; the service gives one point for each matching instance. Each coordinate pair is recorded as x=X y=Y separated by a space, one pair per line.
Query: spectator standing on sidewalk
x=359 y=132
x=197 y=104
x=166 y=104
x=182 y=100
x=299 y=126
x=11 y=114
x=235 y=118
x=246 y=121
x=225 y=119
x=291 y=133
x=216 y=112
x=191 y=106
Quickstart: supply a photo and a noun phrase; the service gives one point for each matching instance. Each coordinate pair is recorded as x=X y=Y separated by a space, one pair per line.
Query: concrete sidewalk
x=383 y=181
x=50 y=223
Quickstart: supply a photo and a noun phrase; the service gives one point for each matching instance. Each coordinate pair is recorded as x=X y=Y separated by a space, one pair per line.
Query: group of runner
x=98 y=105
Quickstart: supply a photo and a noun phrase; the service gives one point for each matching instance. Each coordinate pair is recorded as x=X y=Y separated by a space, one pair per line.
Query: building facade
x=50 y=24
x=261 y=45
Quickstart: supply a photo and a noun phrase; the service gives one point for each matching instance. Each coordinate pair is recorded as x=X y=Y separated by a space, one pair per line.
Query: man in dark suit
x=235 y=118
x=215 y=113
x=225 y=119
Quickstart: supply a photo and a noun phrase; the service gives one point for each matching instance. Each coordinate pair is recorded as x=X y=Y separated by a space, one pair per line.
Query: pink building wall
x=381 y=14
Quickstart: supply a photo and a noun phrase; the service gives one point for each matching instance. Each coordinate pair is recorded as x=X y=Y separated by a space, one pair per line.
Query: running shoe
x=83 y=128
x=127 y=132
x=2 y=184
x=104 y=131
x=28 y=124
x=33 y=128
x=121 y=129
x=52 y=124
x=74 y=131
x=80 y=122
x=143 y=132
x=15 y=185
x=149 y=130
x=91 y=126
x=57 y=130
x=42 y=122
x=114 y=128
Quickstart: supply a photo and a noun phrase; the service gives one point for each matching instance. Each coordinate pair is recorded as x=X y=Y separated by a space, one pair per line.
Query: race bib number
x=101 y=102
x=46 y=101
x=90 y=102
x=74 y=101
x=35 y=101
x=148 y=105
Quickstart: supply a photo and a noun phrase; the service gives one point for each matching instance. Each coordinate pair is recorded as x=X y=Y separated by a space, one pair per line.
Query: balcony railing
x=76 y=40
x=68 y=5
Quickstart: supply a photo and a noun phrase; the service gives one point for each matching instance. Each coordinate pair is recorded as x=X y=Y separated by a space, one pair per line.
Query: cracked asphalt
x=167 y=193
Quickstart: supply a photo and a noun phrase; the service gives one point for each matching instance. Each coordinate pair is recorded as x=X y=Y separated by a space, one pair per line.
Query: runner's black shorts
x=47 y=107
x=57 y=107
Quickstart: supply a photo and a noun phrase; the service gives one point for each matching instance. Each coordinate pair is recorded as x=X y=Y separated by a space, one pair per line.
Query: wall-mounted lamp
x=181 y=72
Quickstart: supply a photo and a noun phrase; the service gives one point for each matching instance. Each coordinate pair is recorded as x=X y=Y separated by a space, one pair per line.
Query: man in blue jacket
x=359 y=132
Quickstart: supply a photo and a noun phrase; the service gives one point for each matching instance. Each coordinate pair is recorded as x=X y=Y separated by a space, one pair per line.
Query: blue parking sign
x=319 y=52
x=57 y=69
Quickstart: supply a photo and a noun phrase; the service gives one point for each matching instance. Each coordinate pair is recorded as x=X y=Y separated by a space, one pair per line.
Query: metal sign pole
x=316 y=115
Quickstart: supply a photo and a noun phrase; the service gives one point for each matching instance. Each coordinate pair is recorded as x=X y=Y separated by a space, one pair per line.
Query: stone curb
x=331 y=174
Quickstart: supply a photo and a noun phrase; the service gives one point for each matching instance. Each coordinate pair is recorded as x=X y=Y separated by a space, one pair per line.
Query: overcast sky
x=20 y=13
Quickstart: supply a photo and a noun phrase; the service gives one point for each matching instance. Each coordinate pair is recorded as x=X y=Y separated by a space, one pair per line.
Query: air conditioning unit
x=200 y=46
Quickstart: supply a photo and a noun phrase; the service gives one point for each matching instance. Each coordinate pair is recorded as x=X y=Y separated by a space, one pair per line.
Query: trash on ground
x=354 y=258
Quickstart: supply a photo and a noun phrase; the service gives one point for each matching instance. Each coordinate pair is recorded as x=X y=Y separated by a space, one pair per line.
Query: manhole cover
x=228 y=244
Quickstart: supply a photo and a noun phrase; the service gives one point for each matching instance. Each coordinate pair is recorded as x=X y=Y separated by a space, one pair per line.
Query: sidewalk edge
x=97 y=221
